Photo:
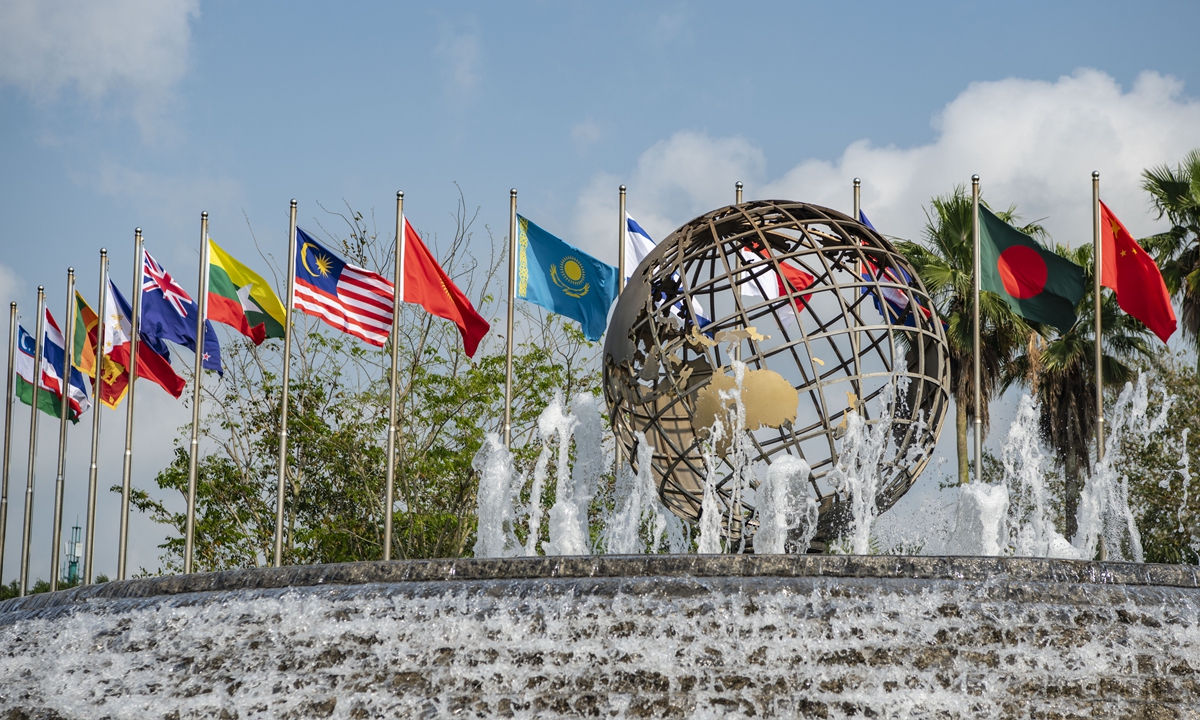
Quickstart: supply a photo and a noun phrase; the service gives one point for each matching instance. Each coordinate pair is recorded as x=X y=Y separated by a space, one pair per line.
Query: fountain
x=598 y=605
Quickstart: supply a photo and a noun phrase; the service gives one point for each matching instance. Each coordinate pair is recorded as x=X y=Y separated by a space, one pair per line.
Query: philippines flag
x=349 y=298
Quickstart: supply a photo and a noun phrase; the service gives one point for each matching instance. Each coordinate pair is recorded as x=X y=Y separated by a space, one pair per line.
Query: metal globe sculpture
x=828 y=319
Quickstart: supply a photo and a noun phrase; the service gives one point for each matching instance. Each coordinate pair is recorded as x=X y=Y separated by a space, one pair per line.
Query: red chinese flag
x=1134 y=277
x=427 y=285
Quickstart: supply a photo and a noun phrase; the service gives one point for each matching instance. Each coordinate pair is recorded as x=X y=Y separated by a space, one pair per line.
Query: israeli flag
x=637 y=244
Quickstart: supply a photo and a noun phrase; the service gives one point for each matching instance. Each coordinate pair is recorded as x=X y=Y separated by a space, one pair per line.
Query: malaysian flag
x=351 y=299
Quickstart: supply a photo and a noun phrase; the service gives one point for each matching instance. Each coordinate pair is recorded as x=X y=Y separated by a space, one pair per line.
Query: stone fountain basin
x=640 y=636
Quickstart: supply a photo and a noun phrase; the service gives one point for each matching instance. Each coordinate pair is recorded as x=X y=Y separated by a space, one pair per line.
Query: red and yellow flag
x=1133 y=277
x=114 y=380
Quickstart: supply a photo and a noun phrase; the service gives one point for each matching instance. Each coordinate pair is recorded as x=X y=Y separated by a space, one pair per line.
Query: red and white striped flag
x=349 y=298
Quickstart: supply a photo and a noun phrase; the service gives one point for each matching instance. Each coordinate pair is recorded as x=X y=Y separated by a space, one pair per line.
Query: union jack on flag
x=169 y=313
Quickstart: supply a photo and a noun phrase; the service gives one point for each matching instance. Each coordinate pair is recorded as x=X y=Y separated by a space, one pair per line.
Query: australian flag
x=169 y=314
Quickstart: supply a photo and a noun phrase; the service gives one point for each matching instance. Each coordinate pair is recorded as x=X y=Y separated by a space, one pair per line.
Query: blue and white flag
x=637 y=244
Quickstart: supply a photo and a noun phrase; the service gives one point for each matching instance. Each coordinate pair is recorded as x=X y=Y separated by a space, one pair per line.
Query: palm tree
x=1061 y=375
x=1176 y=195
x=945 y=263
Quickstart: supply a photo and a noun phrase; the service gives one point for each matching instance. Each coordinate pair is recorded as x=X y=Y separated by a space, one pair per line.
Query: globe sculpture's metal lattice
x=712 y=293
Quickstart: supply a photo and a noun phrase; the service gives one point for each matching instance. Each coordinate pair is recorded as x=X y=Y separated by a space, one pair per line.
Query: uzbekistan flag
x=349 y=298
x=50 y=377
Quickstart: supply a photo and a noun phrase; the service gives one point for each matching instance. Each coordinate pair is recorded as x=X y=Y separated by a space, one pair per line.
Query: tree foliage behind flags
x=337 y=429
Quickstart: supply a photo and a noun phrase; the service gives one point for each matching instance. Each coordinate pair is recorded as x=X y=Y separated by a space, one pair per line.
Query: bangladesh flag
x=1036 y=283
x=240 y=298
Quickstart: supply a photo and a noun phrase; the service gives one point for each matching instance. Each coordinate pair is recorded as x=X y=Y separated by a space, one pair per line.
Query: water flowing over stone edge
x=880 y=567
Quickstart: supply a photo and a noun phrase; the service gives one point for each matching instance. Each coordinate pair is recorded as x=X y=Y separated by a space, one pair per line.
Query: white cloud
x=11 y=286
x=461 y=54
x=138 y=47
x=586 y=134
x=1033 y=143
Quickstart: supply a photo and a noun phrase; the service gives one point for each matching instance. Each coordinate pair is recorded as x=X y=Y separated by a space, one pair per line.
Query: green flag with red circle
x=1036 y=283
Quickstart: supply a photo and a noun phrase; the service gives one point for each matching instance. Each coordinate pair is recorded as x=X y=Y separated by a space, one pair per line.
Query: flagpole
x=622 y=231
x=8 y=408
x=512 y=294
x=737 y=192
x=1097 y=252
x=65 y=414
x=33 y=418
x=97 y=403
x=283 y=398
x=189 y=543
x=856 y=341
x=975 y=344
x=393 y=379
x=135 y=323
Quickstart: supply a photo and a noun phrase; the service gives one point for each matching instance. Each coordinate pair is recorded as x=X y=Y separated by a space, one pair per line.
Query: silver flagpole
x=189 y=542
x=283 y=397
x=135 y=324
x=975 y=318
x=8 y=408
x=737 y=192
x=622 y=230
x=857 y=200
x=65 y=414
x=393 y=379
x=1098 y=253
x=33 y=418
x=512 y=295
x=97 y=403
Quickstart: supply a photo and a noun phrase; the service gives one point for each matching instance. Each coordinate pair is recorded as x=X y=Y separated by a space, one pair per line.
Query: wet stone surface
x=638 y=637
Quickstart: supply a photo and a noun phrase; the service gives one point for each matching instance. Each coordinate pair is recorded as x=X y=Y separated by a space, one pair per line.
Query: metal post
x=1098 y=253
x=975 y=324
x=622 y=231
x=97 y=404
x=622 y=235
x=189 y=542
x=857 y=200
x=135 y=329
x=512 y=295
x=737 y=192
x=33 y=418
x=64 y=409
x=283 y=399
x=393 y=379
x=8 y=408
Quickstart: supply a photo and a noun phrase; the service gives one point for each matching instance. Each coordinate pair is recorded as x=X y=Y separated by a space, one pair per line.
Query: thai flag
x=53 y=357
x=349 y=298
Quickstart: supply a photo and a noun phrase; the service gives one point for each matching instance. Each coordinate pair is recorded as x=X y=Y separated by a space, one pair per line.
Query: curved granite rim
x=883 y=567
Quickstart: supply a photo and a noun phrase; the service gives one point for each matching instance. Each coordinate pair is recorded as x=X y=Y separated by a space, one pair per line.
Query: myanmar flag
x=1134 y=277
x=1036 y=283
x=240 y=298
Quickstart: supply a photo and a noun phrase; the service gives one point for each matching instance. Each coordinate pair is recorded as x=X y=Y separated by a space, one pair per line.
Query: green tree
x=1175 y=193
x=945 y=263
x=1061 y=374
x=1163 y=495
x=337 y=424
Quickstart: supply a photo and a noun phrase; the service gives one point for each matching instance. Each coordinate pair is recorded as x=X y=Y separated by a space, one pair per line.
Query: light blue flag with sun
x=563 y=279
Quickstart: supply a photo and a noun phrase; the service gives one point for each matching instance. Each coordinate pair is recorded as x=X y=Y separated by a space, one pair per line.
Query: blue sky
x=144 y=112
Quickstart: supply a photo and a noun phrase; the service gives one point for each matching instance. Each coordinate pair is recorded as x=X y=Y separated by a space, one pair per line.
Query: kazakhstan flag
x=564 y=280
